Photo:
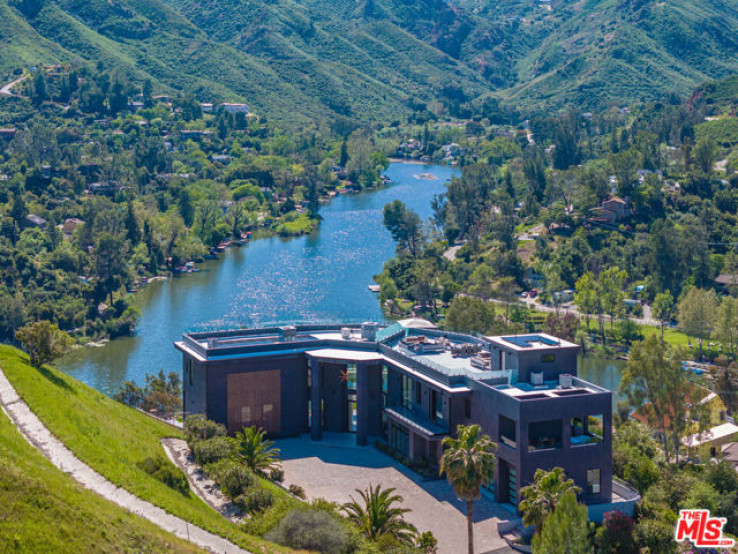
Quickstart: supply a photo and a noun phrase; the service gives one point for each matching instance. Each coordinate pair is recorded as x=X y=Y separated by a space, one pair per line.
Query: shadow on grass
x=55 y=379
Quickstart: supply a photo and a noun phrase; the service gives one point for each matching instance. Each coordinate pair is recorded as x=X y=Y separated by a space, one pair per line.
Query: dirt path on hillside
x=36 y=433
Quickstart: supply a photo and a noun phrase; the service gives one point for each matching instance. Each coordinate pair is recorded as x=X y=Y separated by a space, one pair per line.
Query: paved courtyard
x=334 y=468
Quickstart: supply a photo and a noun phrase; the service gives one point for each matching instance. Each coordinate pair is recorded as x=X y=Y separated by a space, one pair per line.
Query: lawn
x=112 y=439
x=671 y=336
x=44 y=510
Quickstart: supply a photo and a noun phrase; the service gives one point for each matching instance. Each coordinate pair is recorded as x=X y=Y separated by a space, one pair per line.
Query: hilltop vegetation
x=384 y=60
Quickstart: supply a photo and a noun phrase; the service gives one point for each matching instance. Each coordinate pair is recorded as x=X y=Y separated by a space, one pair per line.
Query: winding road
x=6 y=90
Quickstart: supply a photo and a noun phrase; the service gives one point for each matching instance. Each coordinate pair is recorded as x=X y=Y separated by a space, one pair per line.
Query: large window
x=586 y=430
x=544 y=435
x=400 y=439
x=593 y=481
x=407 y=392
x=507 y=432
x=435 y=407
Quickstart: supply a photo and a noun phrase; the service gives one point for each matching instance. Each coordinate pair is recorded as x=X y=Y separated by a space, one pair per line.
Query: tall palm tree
x=469 y=462
x=378 y=517
x=543 y=495
x=257 y=452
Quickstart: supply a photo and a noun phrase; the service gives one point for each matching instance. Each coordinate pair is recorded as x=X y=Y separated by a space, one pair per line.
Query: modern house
x=410 y=385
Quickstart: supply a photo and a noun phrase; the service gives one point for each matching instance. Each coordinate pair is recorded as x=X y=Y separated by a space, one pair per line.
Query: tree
x=133 y=231
x=257 y=452
x=705 y=154
x=109 y=263
x=585 y=296
x=616 y=534
x=541 y=497
x=40 y=92
x=623 y=166
x=44 y=342
x=378 y=517
x=611 y=291
x=726 y=327
x=654 y=375
x=566 y=530
x=404 y=225
x=697 y=314
x=469 y=462
x=472 y=315
x=343 y=157
x=663 y=309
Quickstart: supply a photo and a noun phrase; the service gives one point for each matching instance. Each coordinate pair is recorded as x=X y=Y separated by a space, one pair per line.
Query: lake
x=318 y=277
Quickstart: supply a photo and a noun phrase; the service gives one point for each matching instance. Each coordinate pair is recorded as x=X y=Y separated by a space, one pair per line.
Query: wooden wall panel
x=254 y=398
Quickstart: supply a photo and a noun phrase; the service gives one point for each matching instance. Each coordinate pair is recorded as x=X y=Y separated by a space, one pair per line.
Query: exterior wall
x=565 y=361
x=335 y=398
x=194 y=386
x=294 y=392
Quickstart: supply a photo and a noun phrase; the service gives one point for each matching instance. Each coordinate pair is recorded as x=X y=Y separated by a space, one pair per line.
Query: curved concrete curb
x=36 y=433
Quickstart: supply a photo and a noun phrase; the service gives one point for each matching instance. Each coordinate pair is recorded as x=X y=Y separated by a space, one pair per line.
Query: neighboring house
x=234 y=108
x=706 y=445
x=36 y=221
x=7 y=132
x=70 y=225
x=206 y=107
x=612 y=211
x=711 y=406
x=725 y=281
x=410 y=385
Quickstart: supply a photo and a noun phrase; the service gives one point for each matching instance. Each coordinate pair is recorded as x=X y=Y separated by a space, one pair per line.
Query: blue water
x=319 y=277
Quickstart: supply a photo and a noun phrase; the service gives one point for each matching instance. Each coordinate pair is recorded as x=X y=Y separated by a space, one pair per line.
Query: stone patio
x=335 y=467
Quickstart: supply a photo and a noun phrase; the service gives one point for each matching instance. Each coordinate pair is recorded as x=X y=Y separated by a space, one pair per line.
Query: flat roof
x=549 y=389
x=347 y=355
x=716 y=433
x=531 y=341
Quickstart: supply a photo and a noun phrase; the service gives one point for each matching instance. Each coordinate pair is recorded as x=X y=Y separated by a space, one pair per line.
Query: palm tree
x=469 y=462
x=378 y=517
x=543 y=495
x=255 y=450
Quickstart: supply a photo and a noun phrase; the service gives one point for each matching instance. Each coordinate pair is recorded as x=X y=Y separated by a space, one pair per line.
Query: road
x=6 y=90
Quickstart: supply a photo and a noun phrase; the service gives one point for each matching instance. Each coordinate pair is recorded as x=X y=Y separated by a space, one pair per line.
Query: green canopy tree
x=469 y=462
x=541 y=497
x=566 y=530
x=663 y=309
x=697 y=314
x=585 y=296
x=44 y=342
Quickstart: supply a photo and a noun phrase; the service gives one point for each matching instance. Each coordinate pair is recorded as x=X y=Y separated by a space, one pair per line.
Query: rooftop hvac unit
x=288 y=333
x=369 y=331
x=565 y=381
x=536 y=378
x=345 y=333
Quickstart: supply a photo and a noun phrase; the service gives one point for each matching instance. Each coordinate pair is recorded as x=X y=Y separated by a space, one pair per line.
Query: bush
x=164 y=471
x=212 y=450
x=255 y=500
x=277 y=474
x=198 y=428
x=311 y=530
x=297 y=490
x=232 y=477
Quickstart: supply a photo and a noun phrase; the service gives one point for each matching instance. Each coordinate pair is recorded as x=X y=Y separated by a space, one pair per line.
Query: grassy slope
x=44 y=510
x=111 y=438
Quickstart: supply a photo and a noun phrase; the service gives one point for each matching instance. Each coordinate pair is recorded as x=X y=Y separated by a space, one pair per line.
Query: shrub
x=164 y=471
x=255 y=500
x=277 y=474
x=311 y=530
x=198 y=428
x=212 y=450
x=232 y=477
x=297 y=490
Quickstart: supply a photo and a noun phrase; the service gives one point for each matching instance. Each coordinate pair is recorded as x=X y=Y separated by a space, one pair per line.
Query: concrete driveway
x=335 y=467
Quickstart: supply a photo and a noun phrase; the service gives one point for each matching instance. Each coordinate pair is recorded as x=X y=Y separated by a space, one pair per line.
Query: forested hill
x=386 y=59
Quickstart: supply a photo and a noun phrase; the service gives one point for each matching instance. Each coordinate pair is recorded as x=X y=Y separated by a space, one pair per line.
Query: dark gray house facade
x=410 y=385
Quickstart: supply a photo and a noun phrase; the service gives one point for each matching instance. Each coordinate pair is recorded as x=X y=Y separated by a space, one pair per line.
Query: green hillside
x=44 y=510
x=373 y=60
